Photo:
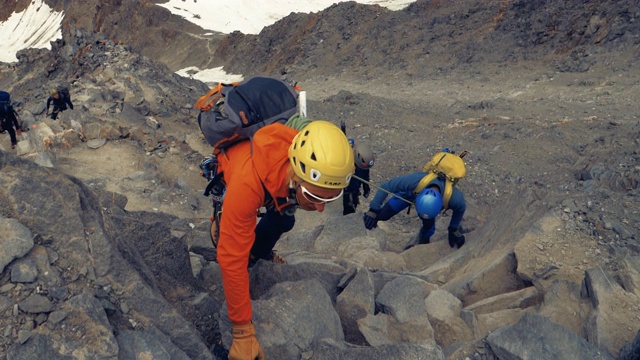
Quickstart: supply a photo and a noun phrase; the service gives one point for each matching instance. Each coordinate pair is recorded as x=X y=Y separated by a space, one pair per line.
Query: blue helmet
x=428 y=203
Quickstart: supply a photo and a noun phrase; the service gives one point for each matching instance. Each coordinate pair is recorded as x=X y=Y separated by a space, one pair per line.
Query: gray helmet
x=363 y=156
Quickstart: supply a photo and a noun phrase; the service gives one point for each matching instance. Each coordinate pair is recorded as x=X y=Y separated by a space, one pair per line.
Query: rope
x=385 y=190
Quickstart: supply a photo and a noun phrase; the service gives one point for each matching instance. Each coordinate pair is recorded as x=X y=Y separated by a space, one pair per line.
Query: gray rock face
x=334 y=233
x=288 y=319
x=152 y=344
x=402 y=298
x=329 y=349
x=15 y=241
x=444 y=310
x=34 y=348
x=535 y=334
x=67 y=217
x=24 y=271
x=631 y=350
x=35 y=304
x=608 y=330
x=96 y=143
x=354 y=303
x=267 y=274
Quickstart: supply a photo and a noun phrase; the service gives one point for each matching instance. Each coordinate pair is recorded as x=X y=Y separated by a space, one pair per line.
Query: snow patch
x=33 y=28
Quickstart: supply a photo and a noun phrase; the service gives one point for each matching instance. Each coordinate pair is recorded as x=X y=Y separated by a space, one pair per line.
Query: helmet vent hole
x=303 y=167
x=313 y=157
x=315 y=175
x=302 y=143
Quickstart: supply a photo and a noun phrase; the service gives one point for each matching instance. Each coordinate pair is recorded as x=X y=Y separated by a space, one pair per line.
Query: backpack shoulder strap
x=425 y=181
x=282 y=204
x=447 y=191
x=208 y=100
x=446 y=196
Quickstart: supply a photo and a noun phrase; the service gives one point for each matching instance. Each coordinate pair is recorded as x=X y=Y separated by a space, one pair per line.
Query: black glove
x=455 y=238
x=370 y=219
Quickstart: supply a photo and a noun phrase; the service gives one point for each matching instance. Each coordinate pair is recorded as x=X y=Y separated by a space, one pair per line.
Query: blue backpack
x=5 y=105
x=5 y=98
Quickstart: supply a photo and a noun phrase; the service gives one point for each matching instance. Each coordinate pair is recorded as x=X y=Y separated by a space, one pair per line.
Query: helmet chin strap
x=289 y=204
x=293 y=190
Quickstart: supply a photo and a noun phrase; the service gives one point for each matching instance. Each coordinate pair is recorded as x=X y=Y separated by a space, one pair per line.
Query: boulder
x=535 y=334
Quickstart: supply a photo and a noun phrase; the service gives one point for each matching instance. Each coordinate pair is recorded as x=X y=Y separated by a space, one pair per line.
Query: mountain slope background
x=431 y=37
x=150 y=29
x=543 y=95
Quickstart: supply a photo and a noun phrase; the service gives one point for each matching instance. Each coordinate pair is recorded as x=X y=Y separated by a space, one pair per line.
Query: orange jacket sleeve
x=247 y=173
x=243 y=198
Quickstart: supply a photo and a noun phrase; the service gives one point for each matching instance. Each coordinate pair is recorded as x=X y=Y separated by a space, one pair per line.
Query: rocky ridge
x=434 y=37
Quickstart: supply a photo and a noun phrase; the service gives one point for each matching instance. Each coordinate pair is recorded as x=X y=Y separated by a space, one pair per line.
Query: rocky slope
x=147 y=28
x=435 y=37
x=105 y=250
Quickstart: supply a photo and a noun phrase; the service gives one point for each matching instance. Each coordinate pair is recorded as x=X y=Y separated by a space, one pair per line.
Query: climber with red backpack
x=265 y=156
x=432 y=190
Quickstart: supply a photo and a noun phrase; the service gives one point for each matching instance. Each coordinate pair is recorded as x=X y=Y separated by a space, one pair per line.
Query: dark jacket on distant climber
x=9 y=122
x=60 y=103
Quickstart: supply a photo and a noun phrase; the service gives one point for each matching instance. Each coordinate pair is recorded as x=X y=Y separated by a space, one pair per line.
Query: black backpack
x=7 y=115
x=64 y=92
x=230 y=113
x=5 y=98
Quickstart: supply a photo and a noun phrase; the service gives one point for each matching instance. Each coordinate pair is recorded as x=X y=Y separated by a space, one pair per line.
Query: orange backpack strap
x=208 y=100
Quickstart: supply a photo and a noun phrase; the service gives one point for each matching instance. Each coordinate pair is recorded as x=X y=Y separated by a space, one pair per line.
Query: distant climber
x=9 y=119
x=60 y=98
x=364 y=161
x=428 y=202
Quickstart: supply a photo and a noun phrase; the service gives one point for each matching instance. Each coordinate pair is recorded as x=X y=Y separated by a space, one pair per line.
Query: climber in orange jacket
x=280 y=169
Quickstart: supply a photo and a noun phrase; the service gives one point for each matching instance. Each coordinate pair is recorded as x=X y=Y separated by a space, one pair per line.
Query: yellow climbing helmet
x=53 y=91
x=320 y=154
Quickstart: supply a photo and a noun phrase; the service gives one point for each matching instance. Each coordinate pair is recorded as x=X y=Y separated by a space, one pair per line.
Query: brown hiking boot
x=278 y=259
x=273 y=257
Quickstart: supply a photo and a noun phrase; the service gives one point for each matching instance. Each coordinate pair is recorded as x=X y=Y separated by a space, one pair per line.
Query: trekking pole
x=385 y=190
